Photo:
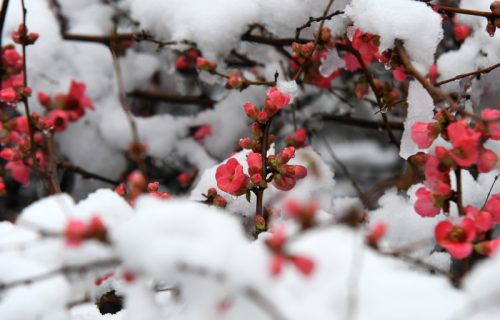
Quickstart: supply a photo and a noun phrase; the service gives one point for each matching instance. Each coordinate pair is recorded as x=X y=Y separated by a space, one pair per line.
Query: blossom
x=206 y=65
x=75 y=232
x=456 y=238
x=492 y=119
x=461 y=31
x=482 y=219
x=254 y=160
x=487 y=160
x=493 y=206
x=277 y=98
x=202 y=132
x=376 y=233
x=488 y=248
x=433 y=73
x=230 y=177
x=465 y=142
x=20 y=172
x=297 y=139
x=424 y=134
x=60 y=119
x=9 y=95
x=425 y=204
x=399 y=73
x=286 y=180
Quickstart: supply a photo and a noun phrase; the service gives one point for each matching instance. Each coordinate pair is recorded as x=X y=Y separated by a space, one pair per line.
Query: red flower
x=376 y=233
x=303 y=264
x=493 y=206
x=425 y=204
x=206 y=65
x=366 y=44
x=75 y=232
x=483 y=219
x=60 y=119
x=291 y=173
x=277 y=98
x=488 y=248
x=182 y=63
x=487 y=160
x=230 y=177
x=9 y=95
x=202 y=132
x=297 y=139
x=433 y=73
x=465 y=143
x=461 y=31
x=424 y=133
x=20 y=172
x=254 y=163
x=399 y=74
x=456 y=239
x=492 y=119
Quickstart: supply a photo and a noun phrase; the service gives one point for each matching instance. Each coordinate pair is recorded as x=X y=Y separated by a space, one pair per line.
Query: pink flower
x=435 y=172
x=366 y=44
x=433 y=73
x=251 y=110
x=254 y=163
x=399 y=74
x=482 y=219
x=77 y=99
x=425 y=204
x=9 y=95
x=297 y=139
x=304 y=264
x=230 y=177
x=456 y=239
x=492 y=119
x=202 y=132
x=287 y=154
x=60 y=119
x=75 y=232
x=376 y=233
x=20 y=172
x=493 y=206
x=304 y=213
x=291 y=173
x=206 y=65
x=182 y=63
x=424 y=133
x=488 y=248
x=465 y=143
x=461 y=31
x=487 y=160
x=277 y=98
x=351 y=63
x=11 y=58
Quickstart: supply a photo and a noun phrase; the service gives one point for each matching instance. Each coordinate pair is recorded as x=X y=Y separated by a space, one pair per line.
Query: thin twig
x=3 y=15
x=128 y=113
x=68 y=166
x=317 y=19
x=364 y=199
x=364 y=123
x=173 y=98
x=465 y=75
x=491 y=189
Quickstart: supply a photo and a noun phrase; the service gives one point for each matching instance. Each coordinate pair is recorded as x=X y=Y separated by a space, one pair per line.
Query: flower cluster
x=214 y=199
x=467 y=151
x=187 y=60
x=66 y=107
x=136 y=185
x=77 y=231
x=276 y=244
x=310 y=59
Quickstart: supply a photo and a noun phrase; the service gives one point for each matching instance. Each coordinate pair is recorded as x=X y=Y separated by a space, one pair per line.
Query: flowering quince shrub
x=202 y=160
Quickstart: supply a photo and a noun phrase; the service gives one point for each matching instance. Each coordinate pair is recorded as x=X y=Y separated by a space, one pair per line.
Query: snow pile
x=416 y=24
x=420 y=109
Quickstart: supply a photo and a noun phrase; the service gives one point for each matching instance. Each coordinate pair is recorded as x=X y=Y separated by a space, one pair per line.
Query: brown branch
x=373 y=86
x=136 y=146
x=318 y=19
x=316 y=42
x=486 y=14
x=3 y=15
x=63 y=270
x=68 y=166
x=362 y=196
x=347 y=120
x=465 y=75
x=173 y=98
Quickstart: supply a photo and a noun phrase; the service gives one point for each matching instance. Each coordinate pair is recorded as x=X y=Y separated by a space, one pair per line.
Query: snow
x=420 y=109
x=405 y=23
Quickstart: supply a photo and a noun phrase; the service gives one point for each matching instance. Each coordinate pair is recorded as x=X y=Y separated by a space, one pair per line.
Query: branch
x=465 y=75
x=318 y=19
x=3 y=15
x=347 y=120
x=68 y=166
x=486 y=14
x=173 y=98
